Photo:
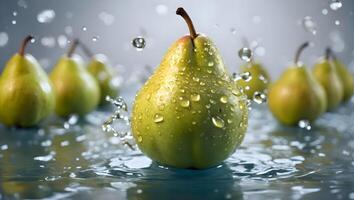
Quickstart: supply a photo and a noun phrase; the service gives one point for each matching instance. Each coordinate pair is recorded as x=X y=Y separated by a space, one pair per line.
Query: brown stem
x=332 y=54
x=24 y=44
x=328 y=53
x=86 y=50
x=73 y=47
x=299 y=51
x=180 y=11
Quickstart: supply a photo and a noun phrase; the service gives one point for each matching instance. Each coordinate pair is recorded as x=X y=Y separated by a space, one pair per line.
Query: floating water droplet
x=48 y=42
x=309 y=25
x=4 y=147
x=260 y=51
x=233 y=31
x=158 y=118
x=337 y=22
x=305 y=124
x=139 y=43
x=84 y=28
x=62 y=41
x=13 y=22
x=245 y=54
x=4 y=38
x=223 y=99
x=14 y=13
x=22 y=3
x=161 y=9
x=95 y=38
x=46 y=16
x=106 y=18
x=335 y=4
x=33 y=40
x=324 y=11
x=259 y=97
x=195 y=97
x=218 y=122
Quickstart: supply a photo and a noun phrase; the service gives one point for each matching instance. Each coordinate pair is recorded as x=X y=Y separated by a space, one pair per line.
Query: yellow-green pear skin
x=105 y=76
x=346 y=78
x=296 y=96
x=328 y=77
x=77 y=91
x=26 y=94
x=259 y=81
x=189 y=114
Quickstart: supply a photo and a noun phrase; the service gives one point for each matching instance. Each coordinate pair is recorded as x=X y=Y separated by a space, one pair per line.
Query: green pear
x=77 y=91
x=189 y=114
x=297 y=95
x=26 y=93
x=259 y=81
x=345 y=76
x=327 y=75
x=104 y=73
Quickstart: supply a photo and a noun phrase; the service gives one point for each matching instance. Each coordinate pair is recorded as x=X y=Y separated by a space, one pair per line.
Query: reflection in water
x=78 y=160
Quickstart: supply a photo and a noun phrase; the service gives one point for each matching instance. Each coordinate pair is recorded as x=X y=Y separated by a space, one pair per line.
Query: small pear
x=345 y=76
x=104 y=73
x=259 y=81
x=327 y=75
x=26 y=93
x=297 y=95
x=189 y=114
x=77 y=91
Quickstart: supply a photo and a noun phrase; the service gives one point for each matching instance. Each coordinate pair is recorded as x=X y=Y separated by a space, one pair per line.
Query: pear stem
x=73 y=47
x=328 y=53
x=299 y=51
x=24 y=44
x=86 y=50
x=181 y=12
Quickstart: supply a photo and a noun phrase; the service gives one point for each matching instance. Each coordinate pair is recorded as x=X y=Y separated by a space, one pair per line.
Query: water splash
x=46 y=16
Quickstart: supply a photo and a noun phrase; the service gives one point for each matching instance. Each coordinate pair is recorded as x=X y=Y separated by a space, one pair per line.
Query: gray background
x=274 y=24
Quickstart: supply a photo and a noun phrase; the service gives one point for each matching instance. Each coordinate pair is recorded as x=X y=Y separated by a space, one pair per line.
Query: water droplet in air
x=259 y=97
x=46 y=16
x=158 y=118
x=324 y=11
x=22 y=3
x=195 y=97
x=139 y=43
x=84 y=28
x=161 y=9
x=62 y=41
x=48 y=42
x=223 y=99
x=106 y=18
x=14 y=13
x=245 y=54
x=309 y=25
x=337 y=22
x=33 y=40
x=305 y=124
x=260 y=51
x=95 y=38
x=218 y=122
x=335 y=4
x=4 y=147
x=13 y=22
x=4 y=38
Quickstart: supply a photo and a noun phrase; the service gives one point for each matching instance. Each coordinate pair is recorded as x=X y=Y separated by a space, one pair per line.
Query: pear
x=189 y=114
x=345 y=76
x=104 y=74
x=77 y=91
x=26 y=93
x=327 y=75
x=259 y=81
x=297 y=95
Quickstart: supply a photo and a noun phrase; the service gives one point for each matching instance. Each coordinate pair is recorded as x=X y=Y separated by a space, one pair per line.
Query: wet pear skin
x=103 y=75
x=296 y=96
x=26 y=93
x=255 y=84
x=346 y=78
x=328 y=77
x=176 y=113
x=77 y=91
